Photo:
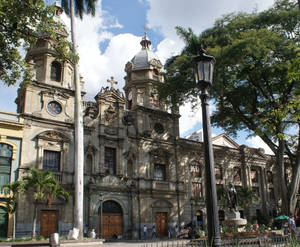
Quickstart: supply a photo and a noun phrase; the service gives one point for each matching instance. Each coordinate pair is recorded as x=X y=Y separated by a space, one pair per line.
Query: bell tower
x=51 y=92
x=143 y=74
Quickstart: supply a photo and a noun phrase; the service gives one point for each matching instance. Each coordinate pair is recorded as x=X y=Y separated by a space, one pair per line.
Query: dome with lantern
x=145 y=57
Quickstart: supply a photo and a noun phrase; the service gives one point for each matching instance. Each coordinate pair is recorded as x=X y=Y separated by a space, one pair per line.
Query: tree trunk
x=78 y=136
x=296 y=178
x=281 y=174
x=33 y=234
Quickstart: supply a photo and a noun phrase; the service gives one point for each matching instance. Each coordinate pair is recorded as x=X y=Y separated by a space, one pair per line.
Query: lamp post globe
x=203 y=69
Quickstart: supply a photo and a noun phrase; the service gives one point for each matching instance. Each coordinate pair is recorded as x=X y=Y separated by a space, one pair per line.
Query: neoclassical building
x=137 y=169
x=11 y=134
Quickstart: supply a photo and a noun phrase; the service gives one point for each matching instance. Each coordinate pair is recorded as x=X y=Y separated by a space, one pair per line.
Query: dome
x=144 y=56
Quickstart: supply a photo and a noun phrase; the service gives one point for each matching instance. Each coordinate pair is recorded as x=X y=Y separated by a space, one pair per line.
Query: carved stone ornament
x=110 y=114
x=90 y=114
x=111 y=181
x=128 y=67
x=128 y=118
x=162 y=204
x=159 y=155
x=111 y=130
x=54 y=93
x=52 y=135
x=156 y=63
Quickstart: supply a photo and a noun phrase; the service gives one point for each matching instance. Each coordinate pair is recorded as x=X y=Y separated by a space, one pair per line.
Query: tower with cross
x=112 y=81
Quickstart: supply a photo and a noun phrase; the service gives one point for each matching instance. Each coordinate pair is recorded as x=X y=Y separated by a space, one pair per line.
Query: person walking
x=169 y=231
x=154 y=232
x=176 y=231
x=145 y=231
x=292 y=225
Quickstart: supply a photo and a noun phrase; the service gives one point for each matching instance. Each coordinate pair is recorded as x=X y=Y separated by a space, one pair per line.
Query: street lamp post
x=203 y=68
x=101 y=212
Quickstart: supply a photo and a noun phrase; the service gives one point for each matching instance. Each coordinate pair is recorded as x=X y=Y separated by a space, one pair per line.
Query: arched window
x=5 y=163
x=3 y=223
x=55 y=71
x=195 y=169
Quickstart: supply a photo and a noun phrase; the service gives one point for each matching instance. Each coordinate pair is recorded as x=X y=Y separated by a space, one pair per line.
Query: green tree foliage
x=81 y=7
x=12 y=190
x=256 y=81
x=44 y=188
x=246 y=197
x=22 y=23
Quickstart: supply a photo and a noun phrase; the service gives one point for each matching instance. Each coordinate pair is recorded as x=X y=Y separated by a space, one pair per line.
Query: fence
x=271 y=241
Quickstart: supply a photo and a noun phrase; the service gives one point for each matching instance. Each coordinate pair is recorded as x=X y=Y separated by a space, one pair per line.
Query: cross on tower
x=112 y=81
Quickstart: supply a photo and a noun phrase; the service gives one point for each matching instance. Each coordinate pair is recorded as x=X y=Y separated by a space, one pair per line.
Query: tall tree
x=72 y=8
x=253 y=87
x=17 y=32
x=12 y=190
x=44 y=187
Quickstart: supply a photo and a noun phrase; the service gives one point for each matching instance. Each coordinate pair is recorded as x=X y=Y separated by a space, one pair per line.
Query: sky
x=109 y=40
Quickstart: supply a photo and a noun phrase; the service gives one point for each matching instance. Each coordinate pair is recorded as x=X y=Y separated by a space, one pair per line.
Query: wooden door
x=48 y=223
x=112 y=225
x=161 y=220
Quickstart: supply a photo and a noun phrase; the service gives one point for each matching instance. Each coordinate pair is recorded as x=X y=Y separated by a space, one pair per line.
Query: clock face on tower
x=54 y=107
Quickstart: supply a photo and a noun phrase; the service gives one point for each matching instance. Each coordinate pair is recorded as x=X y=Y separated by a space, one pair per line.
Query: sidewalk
x=70 y=243
x=85 y=243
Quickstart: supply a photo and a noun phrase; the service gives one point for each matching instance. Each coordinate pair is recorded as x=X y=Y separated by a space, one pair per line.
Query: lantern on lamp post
x=203 y=69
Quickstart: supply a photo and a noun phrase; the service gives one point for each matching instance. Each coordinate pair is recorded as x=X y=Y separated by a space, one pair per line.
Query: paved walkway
x=87 y=243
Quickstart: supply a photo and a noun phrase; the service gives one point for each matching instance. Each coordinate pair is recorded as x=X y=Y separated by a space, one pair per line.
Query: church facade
x=137 y=169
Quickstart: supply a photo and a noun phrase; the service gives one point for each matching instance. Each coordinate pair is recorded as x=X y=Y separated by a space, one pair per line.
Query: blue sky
x=109 y=40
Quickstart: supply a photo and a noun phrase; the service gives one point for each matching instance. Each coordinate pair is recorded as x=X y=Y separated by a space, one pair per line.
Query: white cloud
x=257 y=142
x=95 y=65
x=167 y=48
x=197 y=14
x=189 y=119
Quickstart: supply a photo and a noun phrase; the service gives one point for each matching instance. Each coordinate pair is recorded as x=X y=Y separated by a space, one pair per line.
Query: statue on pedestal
x=232 y=198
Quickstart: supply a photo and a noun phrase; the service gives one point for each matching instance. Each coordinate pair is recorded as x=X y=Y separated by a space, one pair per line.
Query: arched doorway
x=112 y=220
x=3 y=223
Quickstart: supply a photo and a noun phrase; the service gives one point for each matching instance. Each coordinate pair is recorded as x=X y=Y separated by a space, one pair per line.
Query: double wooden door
x=48 y=223
x=161 y=220
x=112 y=225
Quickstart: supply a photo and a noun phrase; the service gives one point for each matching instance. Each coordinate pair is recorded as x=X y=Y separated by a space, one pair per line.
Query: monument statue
x=232 y=197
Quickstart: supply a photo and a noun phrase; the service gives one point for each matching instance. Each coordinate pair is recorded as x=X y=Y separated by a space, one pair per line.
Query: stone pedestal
x=233 y=218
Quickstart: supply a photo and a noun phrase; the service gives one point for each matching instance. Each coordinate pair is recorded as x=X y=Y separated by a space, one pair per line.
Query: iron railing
x=270 y=241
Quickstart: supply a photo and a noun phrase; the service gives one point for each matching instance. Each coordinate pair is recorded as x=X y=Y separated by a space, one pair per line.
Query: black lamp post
x=101 y=212
x=204 y=66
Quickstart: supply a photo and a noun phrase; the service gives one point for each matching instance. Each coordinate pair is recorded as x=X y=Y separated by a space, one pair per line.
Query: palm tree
x=12 y=191
x=79 y=8
x=193 y=43
x=44 y=187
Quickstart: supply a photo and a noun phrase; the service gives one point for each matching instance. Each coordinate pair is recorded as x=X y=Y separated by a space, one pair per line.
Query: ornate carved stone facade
x=138 y=171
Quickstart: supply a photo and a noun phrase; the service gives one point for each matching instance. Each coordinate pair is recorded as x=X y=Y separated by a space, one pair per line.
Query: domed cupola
x=143 y=73
x=145 y=56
